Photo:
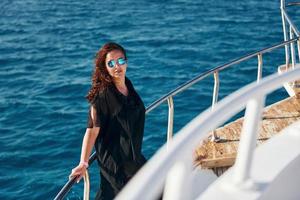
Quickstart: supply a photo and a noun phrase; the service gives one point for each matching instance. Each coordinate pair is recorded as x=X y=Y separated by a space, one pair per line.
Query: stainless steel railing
x=288 y=43
x=169 y=96
x=292 y=4
x=293 y=30
x=67 y=187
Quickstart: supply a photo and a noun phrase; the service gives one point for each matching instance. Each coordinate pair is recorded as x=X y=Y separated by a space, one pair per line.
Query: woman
x=115 y=123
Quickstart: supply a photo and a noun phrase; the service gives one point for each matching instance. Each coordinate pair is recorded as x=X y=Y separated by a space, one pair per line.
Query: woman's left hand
x=78 y=172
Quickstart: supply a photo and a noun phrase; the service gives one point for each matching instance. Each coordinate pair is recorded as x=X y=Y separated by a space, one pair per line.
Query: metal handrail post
x=67 y=187
x=282 y=6
x=216 y=89
x=290 y=22
x=259 y=69
x=170 y=119
x=292 y=48
x=86 y=191
x=214 y=137
x=298 y=47
x=248 y=140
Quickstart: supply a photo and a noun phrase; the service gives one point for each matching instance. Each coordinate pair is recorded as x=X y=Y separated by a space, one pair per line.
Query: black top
x=121 y=121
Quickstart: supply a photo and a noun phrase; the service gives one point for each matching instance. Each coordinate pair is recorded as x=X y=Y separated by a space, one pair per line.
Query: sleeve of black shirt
x=98 y=119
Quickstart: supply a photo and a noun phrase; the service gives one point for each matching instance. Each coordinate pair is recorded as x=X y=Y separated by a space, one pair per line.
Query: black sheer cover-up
x=118 y=145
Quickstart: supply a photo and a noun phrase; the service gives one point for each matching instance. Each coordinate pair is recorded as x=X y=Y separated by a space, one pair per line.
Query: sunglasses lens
x=121 y=61
x=111 y=63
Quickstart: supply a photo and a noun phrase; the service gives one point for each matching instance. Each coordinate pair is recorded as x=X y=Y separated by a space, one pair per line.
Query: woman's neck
x=120 y=82
x=121 y=86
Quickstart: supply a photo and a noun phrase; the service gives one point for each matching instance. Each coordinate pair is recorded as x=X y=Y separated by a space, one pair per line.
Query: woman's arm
x=88 y=142
x=87 y=145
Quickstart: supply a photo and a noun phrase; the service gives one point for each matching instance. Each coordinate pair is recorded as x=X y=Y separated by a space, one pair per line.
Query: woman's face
x=116 y=64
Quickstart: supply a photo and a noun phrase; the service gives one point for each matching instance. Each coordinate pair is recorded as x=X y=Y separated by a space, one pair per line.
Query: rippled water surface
x=46 y=59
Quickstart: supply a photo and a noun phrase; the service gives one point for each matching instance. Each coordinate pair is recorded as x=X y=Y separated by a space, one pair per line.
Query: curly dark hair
x=100 y=78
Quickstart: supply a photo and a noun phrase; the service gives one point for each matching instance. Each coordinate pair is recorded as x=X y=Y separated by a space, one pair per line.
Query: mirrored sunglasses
x=120 y=61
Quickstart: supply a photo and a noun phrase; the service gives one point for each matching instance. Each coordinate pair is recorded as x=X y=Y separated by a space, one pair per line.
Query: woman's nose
x=118 y=65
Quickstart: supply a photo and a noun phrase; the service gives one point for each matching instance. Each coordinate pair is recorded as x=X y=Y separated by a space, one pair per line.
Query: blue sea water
x=47 y=49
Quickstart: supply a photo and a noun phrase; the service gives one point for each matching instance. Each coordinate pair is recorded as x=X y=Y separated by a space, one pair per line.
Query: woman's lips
x=117 y=73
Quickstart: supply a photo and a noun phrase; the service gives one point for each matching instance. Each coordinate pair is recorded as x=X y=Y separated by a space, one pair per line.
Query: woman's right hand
x=78 y=172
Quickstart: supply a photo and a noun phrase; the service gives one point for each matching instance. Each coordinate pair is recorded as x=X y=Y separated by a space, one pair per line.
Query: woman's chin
x=118 y=76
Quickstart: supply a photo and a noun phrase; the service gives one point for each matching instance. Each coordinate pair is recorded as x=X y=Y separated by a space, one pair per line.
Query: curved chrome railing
x=292 y=4
x=169 y=97
x=288 y=43
x=292 y=30
x=67 y=187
